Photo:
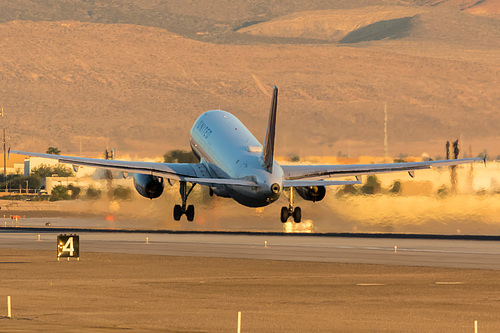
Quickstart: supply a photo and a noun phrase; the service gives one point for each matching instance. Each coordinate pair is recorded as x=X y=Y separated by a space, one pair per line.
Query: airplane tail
x=267 y=157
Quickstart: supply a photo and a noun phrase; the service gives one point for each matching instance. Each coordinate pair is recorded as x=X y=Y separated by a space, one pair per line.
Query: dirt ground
x=108 y=292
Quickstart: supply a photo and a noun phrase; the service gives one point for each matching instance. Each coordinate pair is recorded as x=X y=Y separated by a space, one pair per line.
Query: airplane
x=233 y=164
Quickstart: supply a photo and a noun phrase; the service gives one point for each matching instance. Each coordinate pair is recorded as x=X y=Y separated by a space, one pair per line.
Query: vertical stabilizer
x=268 y=149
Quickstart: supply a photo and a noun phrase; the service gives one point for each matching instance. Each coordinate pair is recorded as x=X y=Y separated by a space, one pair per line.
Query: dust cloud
x=460 y=214
x=475 y=209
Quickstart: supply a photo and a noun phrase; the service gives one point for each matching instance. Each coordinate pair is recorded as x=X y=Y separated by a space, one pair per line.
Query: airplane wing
x=318 y=172
x=189 y=172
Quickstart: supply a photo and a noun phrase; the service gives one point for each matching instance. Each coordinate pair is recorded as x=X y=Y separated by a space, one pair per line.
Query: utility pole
x=4 y=161
x=4 y=157
x=386 y=146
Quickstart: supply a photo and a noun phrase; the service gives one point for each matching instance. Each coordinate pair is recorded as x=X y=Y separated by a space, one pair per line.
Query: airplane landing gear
x=286 y=212
x=180 y=210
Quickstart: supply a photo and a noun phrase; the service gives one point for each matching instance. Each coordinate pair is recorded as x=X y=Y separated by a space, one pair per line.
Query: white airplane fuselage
x=229 y=150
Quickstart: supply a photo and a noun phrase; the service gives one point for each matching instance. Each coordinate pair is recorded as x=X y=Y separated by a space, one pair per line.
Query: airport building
x=34 y=162
x=15 y=164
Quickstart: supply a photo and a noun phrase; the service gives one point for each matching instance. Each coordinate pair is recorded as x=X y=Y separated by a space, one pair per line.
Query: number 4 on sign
x=68 y=247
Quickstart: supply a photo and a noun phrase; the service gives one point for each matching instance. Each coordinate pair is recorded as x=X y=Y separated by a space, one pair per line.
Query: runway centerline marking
x=370 y=284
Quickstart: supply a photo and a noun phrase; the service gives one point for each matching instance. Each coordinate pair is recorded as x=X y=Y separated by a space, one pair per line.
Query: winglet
x=267 y=157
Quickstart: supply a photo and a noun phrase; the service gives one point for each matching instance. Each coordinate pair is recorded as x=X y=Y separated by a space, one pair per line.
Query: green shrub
x=348 y=190
x=93 y=193
x=396 y=187
x=122 y=193
x=60 y=193
x=74 y=191
x=48 y=170
x=372 y=185
x=180 y=156
x=442 y=191
x=53 y=150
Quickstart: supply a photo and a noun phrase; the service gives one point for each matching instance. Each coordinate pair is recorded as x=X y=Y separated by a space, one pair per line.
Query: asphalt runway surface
x=197 y=282
x=384 y=251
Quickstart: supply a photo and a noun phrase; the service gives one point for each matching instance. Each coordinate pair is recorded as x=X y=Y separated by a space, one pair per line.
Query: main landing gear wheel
x=180 y=210
x=190 y=213
x=297 y=215
x=177 y=212
x=286 y=212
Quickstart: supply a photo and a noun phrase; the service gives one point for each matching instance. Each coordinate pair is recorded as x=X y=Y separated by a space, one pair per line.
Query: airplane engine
x=312 y=193
x=148 y=186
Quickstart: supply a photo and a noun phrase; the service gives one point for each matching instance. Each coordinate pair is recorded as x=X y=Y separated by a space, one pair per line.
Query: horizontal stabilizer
x=219 y=181
x=304 y=183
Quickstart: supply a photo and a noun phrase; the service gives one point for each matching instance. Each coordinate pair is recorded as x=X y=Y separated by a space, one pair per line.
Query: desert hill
x=215 y=21
x=212 y=21
x=329 y=25
x=372 y=23
x=489 y=8
x=139 y=89
x=134 y=75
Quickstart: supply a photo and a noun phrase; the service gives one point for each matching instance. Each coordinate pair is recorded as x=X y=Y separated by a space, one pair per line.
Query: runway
x=386 y=251
x=198 y=282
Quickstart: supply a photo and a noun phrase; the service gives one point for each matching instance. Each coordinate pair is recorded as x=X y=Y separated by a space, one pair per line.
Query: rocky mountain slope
x=134 y=75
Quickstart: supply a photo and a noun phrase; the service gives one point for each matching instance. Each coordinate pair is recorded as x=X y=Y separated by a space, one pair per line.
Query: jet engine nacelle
x=220 y=192
x=148 y=186
x=312 y=193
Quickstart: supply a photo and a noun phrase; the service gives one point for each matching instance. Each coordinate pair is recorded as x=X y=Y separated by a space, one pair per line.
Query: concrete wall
x=50 y=182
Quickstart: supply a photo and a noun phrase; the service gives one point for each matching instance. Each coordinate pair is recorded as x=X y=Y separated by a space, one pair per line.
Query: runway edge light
x=239 y=322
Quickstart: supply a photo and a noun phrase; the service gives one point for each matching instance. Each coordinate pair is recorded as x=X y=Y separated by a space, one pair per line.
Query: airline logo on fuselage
x=204 y=130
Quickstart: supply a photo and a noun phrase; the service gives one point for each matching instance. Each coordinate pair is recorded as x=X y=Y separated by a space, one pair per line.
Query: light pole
x=4 y=157
x=4 y=160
